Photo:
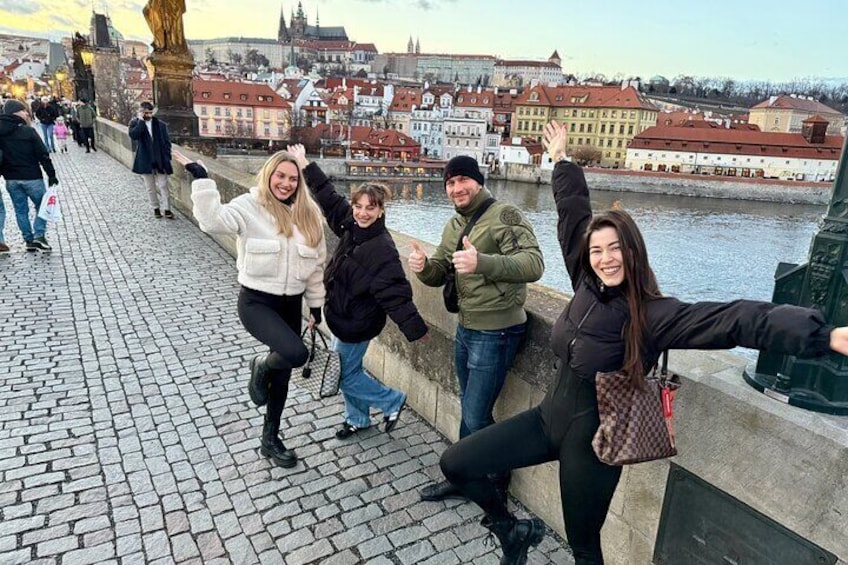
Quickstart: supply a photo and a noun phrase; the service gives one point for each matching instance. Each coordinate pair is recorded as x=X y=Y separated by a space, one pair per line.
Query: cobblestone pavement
x=126 y=433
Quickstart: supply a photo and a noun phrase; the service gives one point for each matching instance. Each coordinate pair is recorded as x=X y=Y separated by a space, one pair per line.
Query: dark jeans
x=560 y=429
x=482 y=359
x=88 y=138
x=275 y=321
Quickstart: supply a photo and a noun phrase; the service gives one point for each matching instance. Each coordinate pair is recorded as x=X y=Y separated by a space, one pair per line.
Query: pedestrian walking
x=24 y=157
x=280 y=260
x=60 y=131
x=47 y=114
x=87 y=116
x=152 y=157
x=489 y=266
x=365 y=283
x=617 y=319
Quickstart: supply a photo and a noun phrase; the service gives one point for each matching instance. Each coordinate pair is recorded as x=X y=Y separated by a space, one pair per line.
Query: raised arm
x=571 y=195
x=336 y=208
x=780 y=328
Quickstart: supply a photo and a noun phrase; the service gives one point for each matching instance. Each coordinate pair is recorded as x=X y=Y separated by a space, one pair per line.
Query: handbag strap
x=477 y=214
x=312 y=333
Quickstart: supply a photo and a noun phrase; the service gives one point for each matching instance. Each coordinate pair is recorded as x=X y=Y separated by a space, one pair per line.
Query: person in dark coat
x=365 y=282
x=616 y=320
x=24 y=157
x=47 y=113
x=152 y=157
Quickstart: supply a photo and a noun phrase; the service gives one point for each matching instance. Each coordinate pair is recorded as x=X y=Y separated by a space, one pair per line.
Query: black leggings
x=275 y=321
x=560 y=429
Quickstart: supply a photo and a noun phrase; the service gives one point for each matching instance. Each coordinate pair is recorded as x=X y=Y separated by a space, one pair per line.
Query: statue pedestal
x=173 y=94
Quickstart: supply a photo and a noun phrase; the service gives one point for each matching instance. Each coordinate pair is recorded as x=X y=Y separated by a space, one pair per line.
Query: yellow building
x=786 y=114
x=240 y=109
x=601 y=120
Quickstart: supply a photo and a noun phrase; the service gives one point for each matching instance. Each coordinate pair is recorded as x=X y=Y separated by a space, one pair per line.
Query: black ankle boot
x=516 y=537
x=257 y=386
x=272 y=446
x=501 y=483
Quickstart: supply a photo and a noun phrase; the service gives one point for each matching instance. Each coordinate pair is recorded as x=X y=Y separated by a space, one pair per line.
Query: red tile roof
x=475 y=99
x=528 y=63
x=405 y=98
x=533 y=147
x=230 y=93
x=784 y=102
x=585 y=96
x=365 y=47
x=736 y=142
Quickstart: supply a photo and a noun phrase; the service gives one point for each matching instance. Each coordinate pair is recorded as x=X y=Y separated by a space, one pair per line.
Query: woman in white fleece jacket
x=281 y=256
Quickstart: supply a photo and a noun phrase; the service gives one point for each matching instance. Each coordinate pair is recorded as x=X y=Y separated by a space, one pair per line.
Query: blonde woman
x=281 y=256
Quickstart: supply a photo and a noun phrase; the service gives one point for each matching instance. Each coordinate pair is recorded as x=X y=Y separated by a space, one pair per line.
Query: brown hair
x=639 y=286
x=305 y=213
x=378 y=194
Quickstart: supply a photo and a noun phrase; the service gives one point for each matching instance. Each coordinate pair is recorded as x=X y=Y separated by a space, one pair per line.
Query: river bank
x=728 y=188
x=698 y=186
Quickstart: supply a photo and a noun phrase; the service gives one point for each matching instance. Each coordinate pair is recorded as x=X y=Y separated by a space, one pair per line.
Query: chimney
x=772 y=100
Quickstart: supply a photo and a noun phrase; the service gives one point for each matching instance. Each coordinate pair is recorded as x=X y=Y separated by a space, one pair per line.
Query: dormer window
x=243 y=96
x=226 y=96
x=205 y=95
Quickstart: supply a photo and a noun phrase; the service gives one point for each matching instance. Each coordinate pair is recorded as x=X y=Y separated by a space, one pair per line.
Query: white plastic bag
x=49 y=209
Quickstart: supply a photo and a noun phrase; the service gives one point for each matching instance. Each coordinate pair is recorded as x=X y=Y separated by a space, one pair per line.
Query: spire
x=317 y=18
x=417 y=46
x=282 y=30
x=409 y=47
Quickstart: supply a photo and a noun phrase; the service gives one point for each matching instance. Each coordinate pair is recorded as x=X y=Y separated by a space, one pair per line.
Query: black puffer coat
x=24 y=154
x=671 y=324
x=365 y=279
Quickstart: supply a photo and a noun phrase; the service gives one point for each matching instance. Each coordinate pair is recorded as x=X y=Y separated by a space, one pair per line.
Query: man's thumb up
x=466 y=244
x=416 y=247
x=417 y=258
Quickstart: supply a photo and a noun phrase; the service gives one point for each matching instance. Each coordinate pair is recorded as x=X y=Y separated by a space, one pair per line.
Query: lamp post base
x=780 y=388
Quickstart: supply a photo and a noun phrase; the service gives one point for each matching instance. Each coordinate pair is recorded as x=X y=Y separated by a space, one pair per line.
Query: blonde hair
x=305 y=213
x=378 y=193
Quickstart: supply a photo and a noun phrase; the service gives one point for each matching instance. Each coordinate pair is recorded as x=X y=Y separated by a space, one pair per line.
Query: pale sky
x=774 y=40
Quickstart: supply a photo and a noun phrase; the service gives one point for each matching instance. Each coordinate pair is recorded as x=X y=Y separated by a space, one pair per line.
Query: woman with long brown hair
x=281 y=253
x=616 y=320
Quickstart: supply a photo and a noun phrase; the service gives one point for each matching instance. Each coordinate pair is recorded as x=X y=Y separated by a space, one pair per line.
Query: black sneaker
x=30 y=246
x=391 y=420
x=347 y=430
x=157 y=213
x=169 y=214
x=40 y=244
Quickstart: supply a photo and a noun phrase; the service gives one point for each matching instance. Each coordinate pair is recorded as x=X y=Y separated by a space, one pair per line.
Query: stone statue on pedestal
x=165 y=19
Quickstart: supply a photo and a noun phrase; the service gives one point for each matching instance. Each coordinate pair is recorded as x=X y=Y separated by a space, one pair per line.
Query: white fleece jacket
x=267 y=260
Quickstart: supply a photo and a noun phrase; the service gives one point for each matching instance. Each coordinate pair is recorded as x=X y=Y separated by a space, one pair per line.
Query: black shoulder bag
x=449 y=292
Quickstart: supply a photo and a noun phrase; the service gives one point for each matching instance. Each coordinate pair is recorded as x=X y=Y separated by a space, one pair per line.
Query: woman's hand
x=298 y=151
x=554 y=140
x=197 y=170
x=839 y=340
x=180 y=158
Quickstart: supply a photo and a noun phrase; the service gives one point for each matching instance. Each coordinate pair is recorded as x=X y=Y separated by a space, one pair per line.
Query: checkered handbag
x=635 y=424
x=321 y=373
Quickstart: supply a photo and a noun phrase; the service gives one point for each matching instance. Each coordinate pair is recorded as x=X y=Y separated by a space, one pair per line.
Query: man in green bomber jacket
x=492 y=268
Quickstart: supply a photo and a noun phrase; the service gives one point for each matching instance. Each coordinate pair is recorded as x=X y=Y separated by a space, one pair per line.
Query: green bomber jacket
x=508 y=258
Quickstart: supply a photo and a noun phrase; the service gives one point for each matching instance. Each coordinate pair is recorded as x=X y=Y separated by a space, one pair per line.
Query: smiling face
x=366 y=212
x=461 y=190
x=606 y=257
x=284 y=180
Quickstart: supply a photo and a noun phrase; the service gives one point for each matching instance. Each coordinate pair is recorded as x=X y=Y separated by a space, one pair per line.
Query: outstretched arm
x=212 y=215
x=571 y=195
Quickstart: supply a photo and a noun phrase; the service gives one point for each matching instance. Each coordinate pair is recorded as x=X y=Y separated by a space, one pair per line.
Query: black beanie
x=465 y=166
x=13 y=106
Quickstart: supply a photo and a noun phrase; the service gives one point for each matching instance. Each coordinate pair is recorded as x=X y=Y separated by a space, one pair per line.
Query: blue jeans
x=19 y=191
x=47 y=130
x=2 y=219
x=360 y=390
x=483 y=358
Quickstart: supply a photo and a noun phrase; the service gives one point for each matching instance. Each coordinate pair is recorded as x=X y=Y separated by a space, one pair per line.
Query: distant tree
x=253 y=58
x=586 y=155
x=361 y=73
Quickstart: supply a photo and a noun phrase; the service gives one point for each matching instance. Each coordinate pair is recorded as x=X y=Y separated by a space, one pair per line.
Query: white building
x=516 y=73
x=521 y=151
x=811 y=155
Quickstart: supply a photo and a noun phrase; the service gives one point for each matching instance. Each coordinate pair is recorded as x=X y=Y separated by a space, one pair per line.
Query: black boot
x=516 y=537
x=501 y=483
x=257 y=386
x=272 y=446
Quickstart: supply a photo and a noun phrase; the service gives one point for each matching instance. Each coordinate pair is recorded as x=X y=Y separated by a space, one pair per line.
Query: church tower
x=283 y=31
x=417 y=47
x=410 y=48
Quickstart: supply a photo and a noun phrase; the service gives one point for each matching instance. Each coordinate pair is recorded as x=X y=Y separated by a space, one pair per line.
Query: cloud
x=17 y=7
x=423 y=4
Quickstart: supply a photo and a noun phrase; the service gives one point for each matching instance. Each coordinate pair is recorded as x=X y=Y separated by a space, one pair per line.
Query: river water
x=700 y=249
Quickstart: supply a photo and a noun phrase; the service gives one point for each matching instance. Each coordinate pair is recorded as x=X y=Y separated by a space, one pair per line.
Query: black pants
x=88 y=137
x=275 y=321
x=559 y=429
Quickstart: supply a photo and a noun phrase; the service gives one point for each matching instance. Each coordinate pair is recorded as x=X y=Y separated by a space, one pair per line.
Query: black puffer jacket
x=23 y=151
x=672 y=324
x=364 y=279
